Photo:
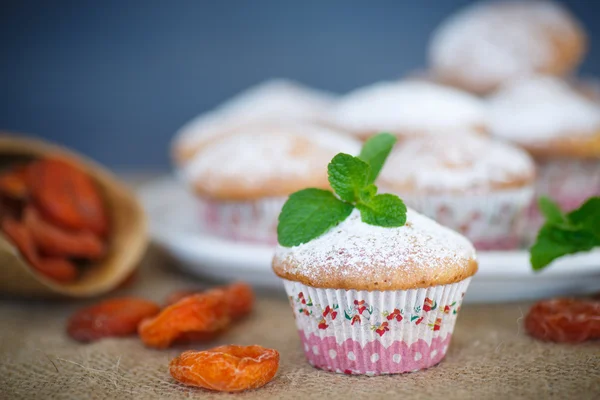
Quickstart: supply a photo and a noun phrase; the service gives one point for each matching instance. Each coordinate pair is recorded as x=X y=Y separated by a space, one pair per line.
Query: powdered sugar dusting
x=261 y=152
x=468 y=162
x=491 y=42
x=408 y=106
x=539 y=108
x=356 y=249
x=279 y=99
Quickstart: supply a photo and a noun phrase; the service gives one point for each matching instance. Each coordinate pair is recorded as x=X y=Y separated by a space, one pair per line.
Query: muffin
x=493 y=42
x=374 y=300
x=560 y=127
x=278 y=99
x=408 y=109
x=243 y=177
x=476 y=185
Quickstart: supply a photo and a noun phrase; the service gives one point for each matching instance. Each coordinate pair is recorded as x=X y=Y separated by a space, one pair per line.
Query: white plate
x=502 y=276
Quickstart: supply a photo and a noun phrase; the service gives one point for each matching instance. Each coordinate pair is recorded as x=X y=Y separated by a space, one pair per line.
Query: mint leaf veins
x=309 y=213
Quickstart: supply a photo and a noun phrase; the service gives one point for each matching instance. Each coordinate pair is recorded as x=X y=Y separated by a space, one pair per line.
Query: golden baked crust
x=265 y=160
x=407 y=135
x=582 y=146
x=358 y=256
x=461 y=165
x=501 y=40
x=402 y=279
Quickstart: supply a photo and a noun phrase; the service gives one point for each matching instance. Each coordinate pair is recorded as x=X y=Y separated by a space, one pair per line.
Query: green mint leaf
x=558 y=240
x=386 y=210
x=348 y=176
x=550 y=210
x=367 y=193
x=587 y=216
x=308 y=214
x=375 y=151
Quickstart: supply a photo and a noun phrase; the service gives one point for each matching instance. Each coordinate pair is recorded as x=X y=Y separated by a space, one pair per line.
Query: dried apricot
x=564 y=320
x=13 y=183
x=239 y=298
x=19 y=235
x=204 y=312
x=54 y=241
x=226 y=368
x=114 y=317
x=58 y=269
x=67 y=196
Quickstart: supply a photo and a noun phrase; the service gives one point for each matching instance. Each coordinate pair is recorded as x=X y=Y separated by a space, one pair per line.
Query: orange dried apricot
x=114 y=317
x=19 y=235
x=226 y=368
x=204 y=312
x=54 y=241
x=58 y=269
x=13 y=183
x=564 y=320
x=67 y=196
x=239 y=298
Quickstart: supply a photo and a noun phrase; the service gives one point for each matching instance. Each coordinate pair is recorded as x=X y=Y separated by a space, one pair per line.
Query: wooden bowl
x=127 y=241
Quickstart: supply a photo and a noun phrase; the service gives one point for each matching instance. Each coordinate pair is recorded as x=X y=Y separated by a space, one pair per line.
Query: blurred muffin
x=490 y=43
x=373 y=300
x=560 y=127
x=587 y=86
x=408 y=109
x=279 y=99
x=476 y=185
x=243 y=178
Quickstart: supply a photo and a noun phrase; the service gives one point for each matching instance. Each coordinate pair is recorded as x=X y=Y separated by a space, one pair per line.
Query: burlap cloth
x=490 y=356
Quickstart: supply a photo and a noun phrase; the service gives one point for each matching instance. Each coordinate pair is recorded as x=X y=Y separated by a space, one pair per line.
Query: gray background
x=115 y=79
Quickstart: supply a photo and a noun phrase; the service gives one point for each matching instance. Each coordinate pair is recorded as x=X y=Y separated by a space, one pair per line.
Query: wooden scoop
x=127 y=240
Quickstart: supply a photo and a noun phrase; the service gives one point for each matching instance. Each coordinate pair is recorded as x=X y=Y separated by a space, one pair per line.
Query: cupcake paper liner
x=567 y=181
x=377 y=332
x=250 y=221
x=495 y=221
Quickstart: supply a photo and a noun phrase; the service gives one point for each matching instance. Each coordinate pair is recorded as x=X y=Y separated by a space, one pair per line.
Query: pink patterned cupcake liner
x=494 y=221
x=378 y=332
x=248 y=221
x=567 y=181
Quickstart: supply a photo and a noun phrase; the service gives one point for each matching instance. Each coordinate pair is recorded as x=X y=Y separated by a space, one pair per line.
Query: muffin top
x=408 y=108
x=467 y=163
x=355 y=255
x=265 y=159
x=492 y=42
x=276 y=99
x=547 y=116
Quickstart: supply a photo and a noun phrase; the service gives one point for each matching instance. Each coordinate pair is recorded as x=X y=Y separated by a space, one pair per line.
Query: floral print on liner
x=362 y=313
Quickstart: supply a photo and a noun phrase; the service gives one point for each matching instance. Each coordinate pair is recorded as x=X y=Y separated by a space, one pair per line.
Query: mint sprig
x=563 y=234
x=309 y=213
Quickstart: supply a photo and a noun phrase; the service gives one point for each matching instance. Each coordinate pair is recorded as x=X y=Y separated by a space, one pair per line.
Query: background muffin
x=490 y=43
x=279 y=99
x=407 y=109
x=560 y=127
x=374 y=300
x=244 y=176
x=478 y=186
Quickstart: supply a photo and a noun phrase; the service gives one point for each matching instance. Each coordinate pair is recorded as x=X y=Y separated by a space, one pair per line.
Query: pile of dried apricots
x=54 y=214
x=188 y=316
